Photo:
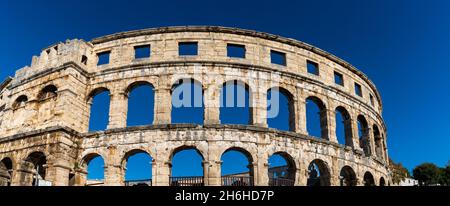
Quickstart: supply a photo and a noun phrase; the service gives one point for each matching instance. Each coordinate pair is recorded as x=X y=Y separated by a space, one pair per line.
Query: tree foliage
x=399 y=173
x=429 y=174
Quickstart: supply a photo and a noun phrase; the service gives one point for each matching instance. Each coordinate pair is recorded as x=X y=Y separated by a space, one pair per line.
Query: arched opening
x=378 y=141
x=316 y=118
x=280 y=109
x=6 y=172
x=348 y=177
x=141 y=101
x=95 y=168
x=281 y=170
x=235 y=103
x=237 y=168
x=363 y=133
x=187 y=102
x=47 y=92
x=382 y=182
x=37 y=163
x=99 y=114
x=187 y=167
x=319 y=174
x=368 y=179
x=343 y=127
x=21 y=101
x=137 y=165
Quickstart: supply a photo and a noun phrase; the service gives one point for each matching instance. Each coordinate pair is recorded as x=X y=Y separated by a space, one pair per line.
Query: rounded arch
x=237 y=167
x=236 y=103
x=280 y=109
x=348 y=176
x=319 y=173
x=6 y=170
x=188 y=102
x=316 y=117
x=99 y=102
x=36 y=161
x=135 y=172
x=187 y=166
x=378 y=141
x=48 y=91
x=94 y=164
x=363 y=134
x=369 y=179
x=344 y=126
x=20 y=101
x=88 y=158
x=136 y=84
x=95 y=92
x=382 y=182
x=282 y=172
x=141 y=103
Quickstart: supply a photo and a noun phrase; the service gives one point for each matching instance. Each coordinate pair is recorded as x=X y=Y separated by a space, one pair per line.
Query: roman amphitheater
x=45 y=111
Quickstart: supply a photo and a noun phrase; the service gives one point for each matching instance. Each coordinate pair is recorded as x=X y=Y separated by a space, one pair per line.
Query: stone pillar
x=161 y=173
x=163 y=106
x=331 y=125
x=118 y=110
x=113 y=169
x=58 y=173
x=113 y=175
x=371 y=140
x=301 y=115
x=212 y=173
x=259 y=111
x=324 y=124
x=212 y=104
x=355 y=132
x=301 y=177
x=80 y=177
x=23 y=176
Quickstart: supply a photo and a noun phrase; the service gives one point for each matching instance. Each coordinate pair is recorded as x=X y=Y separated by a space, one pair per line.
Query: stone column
x=23 y=176
x=324 y=124
x=259 y=112
x=355 y=132
x=301 y=115
x=212 y=173
x=163 y=106
x=118 y=110
x=161 y=172
x=58 y=173
x=212 y=104
x=113 y=175
x=331 y=125
x=301 y=177
x=113 y=169
x=80 y=177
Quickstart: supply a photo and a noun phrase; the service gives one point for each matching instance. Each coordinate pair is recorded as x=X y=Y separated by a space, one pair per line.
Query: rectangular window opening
x=278 y=57
x=313 y=67
x=142 y=52
x=338 y=78
x=358 y=90
x=236 y=51
x=188 y=48
x=103 y=58
x=372 y=102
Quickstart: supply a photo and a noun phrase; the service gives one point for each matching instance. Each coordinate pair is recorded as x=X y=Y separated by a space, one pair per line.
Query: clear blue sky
x=403 y=46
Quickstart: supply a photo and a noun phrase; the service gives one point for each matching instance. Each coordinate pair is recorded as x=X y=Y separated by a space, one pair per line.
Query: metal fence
x=186 y=181
x=237 y=181
x=147 y=182
x=281 y=182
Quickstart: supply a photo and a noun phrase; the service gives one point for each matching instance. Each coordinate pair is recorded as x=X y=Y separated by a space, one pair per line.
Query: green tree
x=399 y=173
x=427 y=174
x=445 y=176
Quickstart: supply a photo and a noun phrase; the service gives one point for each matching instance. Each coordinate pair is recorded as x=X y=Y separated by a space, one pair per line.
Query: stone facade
x=45 y=108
